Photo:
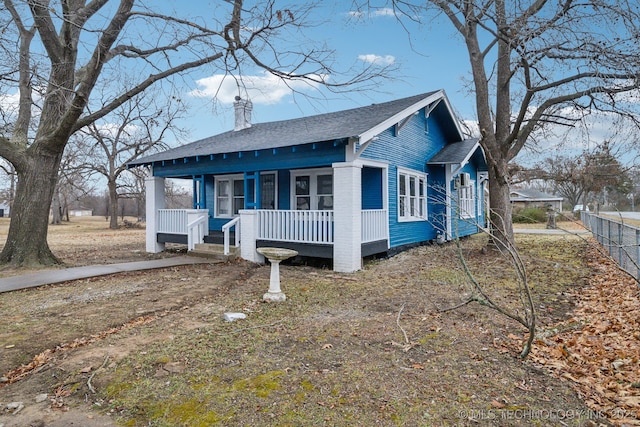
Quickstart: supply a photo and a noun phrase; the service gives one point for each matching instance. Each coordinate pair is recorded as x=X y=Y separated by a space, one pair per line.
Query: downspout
x=448 y=178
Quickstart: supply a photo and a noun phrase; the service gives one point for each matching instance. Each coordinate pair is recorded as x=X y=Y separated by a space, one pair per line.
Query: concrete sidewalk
x=47 y=277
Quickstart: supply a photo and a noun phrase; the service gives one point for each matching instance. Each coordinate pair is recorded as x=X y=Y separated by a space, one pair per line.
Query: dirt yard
x=371 y=348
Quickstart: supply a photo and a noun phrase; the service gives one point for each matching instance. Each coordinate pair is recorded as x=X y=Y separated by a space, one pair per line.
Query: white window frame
x=313 y=185
x=467 y=201
x=238 y=177
x=405 y=200
x=230 y=196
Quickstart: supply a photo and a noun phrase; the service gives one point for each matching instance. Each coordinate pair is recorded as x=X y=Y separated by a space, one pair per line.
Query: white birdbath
x=275 y=255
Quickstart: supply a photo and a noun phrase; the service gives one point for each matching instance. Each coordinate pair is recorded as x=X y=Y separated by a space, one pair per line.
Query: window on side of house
x=412 y=195
x=229 y=195
x=467 y=200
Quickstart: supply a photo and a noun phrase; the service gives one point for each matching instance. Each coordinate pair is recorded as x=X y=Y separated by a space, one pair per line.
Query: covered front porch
x=345 y=234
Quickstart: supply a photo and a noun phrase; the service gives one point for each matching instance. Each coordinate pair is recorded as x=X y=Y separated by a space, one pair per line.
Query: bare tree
x=73 y=184
x=597 y=172
x=520 y=308
x=532 y=59
x=61 y=50
x=137 y=127
x=133 y=187
x=8 y=195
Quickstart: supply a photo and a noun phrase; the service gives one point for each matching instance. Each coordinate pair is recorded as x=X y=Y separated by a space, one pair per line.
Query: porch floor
x=312 y=250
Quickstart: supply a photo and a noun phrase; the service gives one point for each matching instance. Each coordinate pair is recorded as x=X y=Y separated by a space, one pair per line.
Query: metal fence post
x=637 y=260
x=620 y=243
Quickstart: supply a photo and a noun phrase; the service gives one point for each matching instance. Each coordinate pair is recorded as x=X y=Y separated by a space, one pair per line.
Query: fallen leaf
x=497 y=404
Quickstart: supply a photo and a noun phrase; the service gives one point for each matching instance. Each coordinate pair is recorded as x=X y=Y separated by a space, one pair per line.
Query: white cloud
x=385 y=11
x=470 y=128
x=377 y=59
x=110 y=130
x=260 y=89
x=9 y=104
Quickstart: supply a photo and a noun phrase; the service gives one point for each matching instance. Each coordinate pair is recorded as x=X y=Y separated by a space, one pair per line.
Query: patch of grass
x=369 y=348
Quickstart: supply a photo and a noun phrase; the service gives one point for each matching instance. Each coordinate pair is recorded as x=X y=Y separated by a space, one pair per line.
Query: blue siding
x=465 y=226
x=284 y=184
x=372 y=188
x=437 y=198
x=417 y=141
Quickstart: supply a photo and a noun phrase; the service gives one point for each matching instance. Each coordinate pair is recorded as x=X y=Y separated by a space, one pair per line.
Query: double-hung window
x=412 y=195
x=313 y=189
x=467 y=200
x=229 y=195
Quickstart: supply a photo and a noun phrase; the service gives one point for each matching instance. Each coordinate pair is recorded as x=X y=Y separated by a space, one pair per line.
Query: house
x=342 y=185
x=80 y=211
x=528 y=198
x=5 y=209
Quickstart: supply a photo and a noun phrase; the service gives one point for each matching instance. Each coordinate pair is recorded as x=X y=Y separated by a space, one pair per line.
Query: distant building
x=81 y=212
x=4 y=210
x=527 y=198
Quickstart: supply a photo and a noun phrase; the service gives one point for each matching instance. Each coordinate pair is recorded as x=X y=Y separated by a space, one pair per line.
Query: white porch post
x=249 y=235
x=347 y=207
x=154 y=188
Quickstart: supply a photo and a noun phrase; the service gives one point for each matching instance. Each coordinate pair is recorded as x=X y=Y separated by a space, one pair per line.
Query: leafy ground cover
x=372 y=348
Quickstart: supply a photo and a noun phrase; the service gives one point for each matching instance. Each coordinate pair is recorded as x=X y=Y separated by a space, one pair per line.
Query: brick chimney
x=243 y=108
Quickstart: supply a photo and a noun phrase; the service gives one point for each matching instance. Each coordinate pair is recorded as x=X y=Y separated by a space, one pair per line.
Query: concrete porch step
x=214 y=251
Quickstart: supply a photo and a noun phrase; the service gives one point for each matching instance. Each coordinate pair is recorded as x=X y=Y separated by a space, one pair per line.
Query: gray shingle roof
x=454 y=153
x=305 y=130
x=523 y=194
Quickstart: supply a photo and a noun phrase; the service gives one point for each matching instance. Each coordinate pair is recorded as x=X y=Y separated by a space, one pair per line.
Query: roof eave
x=396 y=118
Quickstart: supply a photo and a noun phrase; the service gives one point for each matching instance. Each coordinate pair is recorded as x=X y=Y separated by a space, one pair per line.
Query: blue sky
x=426 y=59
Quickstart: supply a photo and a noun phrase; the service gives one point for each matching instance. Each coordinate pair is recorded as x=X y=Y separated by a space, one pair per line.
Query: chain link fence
x=622 y=241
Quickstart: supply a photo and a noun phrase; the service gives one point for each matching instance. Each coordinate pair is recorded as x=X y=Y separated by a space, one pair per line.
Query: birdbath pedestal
x=275 y=255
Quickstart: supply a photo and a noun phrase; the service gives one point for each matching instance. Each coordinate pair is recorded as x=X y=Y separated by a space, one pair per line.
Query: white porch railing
x=225 y=232
x=296 y=226
x=316 y=226
x=172 y=221
x=190 y=222
x=277 y=225
x=197 y=228
x=374 y=225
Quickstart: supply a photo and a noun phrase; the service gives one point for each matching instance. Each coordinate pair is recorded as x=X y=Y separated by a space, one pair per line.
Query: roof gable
x=361 y=123
x=523 y=194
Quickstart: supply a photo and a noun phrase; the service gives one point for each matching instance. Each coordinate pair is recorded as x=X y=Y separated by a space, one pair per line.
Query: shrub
x=530 y=215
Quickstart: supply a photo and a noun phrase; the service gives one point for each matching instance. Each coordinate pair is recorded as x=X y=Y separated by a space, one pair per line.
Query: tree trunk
x=501 y=212
x=113 y=204
x=27 y=237
x=56 y=209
